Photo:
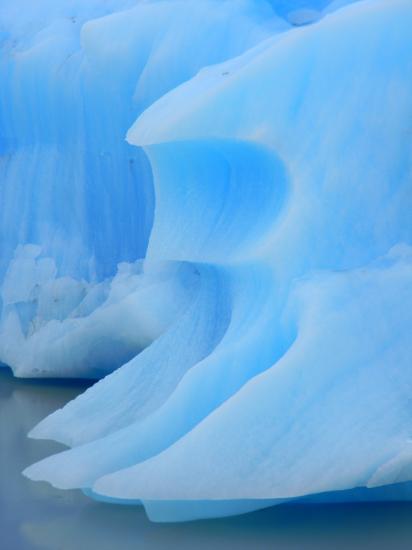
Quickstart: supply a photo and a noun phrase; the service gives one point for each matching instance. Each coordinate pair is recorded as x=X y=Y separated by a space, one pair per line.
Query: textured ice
x=75 y=75
x=239 y=270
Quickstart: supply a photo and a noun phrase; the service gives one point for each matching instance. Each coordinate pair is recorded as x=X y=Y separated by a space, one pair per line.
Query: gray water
x=35 y=515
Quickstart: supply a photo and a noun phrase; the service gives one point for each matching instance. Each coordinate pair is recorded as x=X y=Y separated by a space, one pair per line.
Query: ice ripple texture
x=206 y=206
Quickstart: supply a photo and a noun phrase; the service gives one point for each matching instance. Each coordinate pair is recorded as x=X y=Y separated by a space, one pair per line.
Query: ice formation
x=238 y=272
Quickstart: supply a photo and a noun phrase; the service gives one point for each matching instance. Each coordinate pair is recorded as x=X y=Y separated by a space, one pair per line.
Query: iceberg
x=205 y=206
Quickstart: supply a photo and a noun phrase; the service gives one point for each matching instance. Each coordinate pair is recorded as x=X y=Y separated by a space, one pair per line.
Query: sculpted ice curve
x=254 y=335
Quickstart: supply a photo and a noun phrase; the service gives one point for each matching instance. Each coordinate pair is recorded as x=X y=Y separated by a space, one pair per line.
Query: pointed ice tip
x=46 y=429
x=38 y=432
x=45 y=470
x=30 y=473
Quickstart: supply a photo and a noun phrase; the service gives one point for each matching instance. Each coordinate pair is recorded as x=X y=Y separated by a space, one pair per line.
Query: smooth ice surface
x=220 y=225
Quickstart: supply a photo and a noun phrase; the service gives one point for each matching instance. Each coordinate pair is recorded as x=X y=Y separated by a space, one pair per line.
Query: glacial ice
x=237 y=272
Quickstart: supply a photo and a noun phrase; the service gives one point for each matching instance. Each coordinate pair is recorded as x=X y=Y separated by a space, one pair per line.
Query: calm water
x=34 y=515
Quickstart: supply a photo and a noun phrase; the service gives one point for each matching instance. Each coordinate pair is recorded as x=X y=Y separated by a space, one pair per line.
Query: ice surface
x=240 y=268
x=75 y=77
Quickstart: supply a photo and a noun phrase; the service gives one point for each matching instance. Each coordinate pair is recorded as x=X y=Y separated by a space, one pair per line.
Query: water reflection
x=34 y=515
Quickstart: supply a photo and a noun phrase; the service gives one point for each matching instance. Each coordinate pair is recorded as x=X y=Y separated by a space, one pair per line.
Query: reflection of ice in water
x=22 y=404
x=35 y=515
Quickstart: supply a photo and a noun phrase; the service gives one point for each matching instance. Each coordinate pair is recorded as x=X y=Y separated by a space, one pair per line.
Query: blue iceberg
x=206 y=207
